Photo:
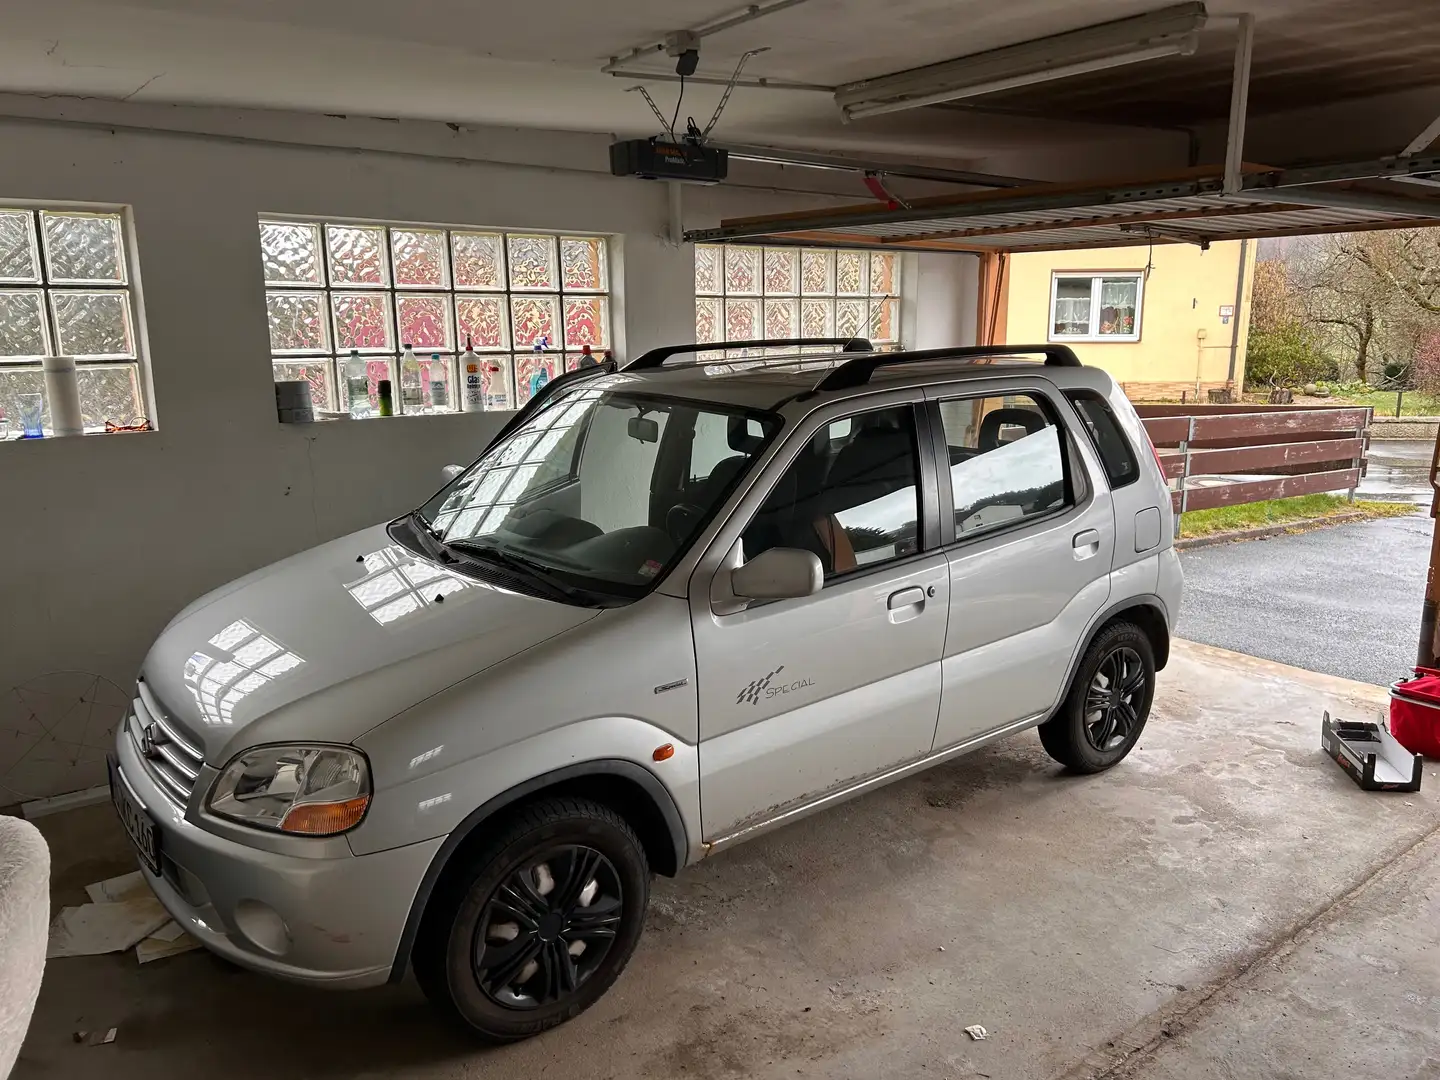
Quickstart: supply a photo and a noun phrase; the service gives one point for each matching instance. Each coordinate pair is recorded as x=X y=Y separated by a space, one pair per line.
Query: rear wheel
x=1109 y=701
x=538 y=922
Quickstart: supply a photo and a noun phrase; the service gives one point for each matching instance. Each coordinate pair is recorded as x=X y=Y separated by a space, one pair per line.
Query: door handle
x=1087 y=544
x=906 y=604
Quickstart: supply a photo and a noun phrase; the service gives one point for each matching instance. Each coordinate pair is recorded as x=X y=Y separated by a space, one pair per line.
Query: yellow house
x=1164 y=320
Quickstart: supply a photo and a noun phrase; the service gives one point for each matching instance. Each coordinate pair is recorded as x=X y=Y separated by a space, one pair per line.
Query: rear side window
x=1007 y=461
x=1110 y=443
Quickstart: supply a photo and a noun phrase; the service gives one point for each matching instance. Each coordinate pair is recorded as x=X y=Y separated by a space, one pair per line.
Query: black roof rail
x=531 y=407
x=857 y=372
x=656 y=357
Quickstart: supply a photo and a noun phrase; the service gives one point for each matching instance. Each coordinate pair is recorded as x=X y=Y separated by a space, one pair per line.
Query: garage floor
x=1224 y=904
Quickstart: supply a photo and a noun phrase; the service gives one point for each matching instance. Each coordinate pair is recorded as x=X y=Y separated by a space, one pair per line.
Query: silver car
x=669 y=608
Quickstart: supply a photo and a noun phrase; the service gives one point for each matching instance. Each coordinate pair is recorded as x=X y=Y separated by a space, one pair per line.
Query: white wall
x=102 y=539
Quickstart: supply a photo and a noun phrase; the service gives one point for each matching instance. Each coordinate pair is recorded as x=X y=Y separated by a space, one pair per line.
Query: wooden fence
x=1208 y=451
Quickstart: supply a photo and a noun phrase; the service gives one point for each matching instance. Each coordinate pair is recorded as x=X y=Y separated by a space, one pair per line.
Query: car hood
x=326 y=644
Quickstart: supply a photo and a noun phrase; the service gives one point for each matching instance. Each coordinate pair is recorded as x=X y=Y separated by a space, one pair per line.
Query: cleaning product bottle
x=541 y=375
x=474 y=396
x=411 y=393
x=437 y=383
x=387 y=398
x=357 y=382
x=587 y=359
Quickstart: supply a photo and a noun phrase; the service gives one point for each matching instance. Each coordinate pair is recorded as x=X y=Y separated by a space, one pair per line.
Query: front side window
x=600 y=489
x=1095 y=307
x=1007 y=461
x=852 y=496
x=65 y=290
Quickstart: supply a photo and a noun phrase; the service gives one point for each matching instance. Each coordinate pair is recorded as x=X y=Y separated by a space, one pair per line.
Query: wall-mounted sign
x=1227 y=312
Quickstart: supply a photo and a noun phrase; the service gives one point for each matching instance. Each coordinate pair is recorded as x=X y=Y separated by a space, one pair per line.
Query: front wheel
x=538 y=923
x=1102 y=716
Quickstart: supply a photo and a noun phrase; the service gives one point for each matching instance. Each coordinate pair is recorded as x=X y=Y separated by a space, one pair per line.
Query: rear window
x=1110 y=443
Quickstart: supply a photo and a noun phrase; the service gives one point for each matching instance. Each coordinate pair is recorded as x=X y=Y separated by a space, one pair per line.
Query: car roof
x=767 y=382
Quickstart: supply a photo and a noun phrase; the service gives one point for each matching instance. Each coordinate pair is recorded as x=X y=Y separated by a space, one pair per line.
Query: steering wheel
x=680 y=521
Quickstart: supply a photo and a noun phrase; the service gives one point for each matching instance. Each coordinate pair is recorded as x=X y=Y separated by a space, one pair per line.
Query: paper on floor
x=115 y=889
x=157 y=946
x=169 y=932
x=94 y=929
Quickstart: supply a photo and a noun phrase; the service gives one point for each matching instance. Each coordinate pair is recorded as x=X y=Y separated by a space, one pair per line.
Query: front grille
x=169 y=755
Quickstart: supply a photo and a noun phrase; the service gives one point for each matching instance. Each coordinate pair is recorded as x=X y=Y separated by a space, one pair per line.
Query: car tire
x=1107 y=705
x=504 y=942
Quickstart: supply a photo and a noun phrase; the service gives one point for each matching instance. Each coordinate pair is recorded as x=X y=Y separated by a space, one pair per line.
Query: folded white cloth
x=24 y=930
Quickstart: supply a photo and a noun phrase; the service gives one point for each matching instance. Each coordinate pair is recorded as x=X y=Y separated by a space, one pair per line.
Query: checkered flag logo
x=751 y=694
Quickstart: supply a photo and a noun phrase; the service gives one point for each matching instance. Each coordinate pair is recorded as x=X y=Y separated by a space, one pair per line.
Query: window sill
x=50 y=437
x=1096 y=339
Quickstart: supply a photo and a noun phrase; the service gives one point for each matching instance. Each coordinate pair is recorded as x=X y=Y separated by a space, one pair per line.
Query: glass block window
x=65 y=291
x=744 y=292
x=331 y=287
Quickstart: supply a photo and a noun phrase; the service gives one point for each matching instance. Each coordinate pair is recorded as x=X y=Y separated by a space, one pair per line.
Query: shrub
x=1286 y=356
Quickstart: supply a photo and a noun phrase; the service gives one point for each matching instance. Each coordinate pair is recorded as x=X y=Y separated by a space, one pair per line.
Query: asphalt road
x=1343 y=600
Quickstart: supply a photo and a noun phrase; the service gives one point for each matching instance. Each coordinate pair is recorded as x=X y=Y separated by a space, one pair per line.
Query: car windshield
x=600 y=490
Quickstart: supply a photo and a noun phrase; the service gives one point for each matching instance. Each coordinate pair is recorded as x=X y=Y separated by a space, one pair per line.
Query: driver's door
x=802 y=697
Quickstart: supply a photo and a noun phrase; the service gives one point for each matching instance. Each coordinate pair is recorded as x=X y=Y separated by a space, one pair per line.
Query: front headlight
x=314 y=790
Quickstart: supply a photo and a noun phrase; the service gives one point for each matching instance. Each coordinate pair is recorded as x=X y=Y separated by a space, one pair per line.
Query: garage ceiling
x=537 y=64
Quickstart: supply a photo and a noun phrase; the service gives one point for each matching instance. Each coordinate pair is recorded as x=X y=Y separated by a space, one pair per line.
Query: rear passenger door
x=1029 y=536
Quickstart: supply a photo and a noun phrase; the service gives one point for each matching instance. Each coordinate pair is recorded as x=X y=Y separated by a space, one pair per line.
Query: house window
x=1095 y=307
x=332 y=287
x=745 y=293
x=65 y=284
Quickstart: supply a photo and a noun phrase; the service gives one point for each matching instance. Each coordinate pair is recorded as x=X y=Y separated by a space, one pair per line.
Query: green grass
x=1254 y=515
x=1414 y=402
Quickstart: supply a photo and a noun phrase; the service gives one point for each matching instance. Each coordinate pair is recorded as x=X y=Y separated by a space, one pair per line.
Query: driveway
x=1344 y=600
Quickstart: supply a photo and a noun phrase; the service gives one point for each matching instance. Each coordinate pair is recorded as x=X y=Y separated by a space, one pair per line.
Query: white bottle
x=357 y=383
x=473 y=398
x=437 y=383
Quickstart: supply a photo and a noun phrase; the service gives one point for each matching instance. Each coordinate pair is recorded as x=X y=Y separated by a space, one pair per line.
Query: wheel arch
x=626 y=787
x=1148 y=612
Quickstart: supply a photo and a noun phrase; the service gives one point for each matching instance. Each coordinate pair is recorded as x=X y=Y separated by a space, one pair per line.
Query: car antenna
x=870 y=324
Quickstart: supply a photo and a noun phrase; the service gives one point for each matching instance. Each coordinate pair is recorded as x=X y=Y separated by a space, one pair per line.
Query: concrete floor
x=1344 y=600
x=1226 y=903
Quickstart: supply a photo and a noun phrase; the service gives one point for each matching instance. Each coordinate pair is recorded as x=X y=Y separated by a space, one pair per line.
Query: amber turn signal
x=663 y=752
x=325 y=819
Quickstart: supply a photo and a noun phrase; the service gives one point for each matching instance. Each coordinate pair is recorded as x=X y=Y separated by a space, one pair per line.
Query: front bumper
x=331 y=921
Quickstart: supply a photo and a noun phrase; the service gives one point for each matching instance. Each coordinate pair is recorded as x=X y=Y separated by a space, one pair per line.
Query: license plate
x=136 y=820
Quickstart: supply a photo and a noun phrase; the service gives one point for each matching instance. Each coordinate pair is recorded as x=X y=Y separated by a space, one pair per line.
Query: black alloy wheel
x=1112 y=709
x=1107 y=704
x=535 y=919
x=548 y=927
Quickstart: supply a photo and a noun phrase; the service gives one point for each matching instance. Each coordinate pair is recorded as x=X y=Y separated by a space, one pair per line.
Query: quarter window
x=852 y=496
x=1095 y=307
x=1006 y=461
x=1110 y=443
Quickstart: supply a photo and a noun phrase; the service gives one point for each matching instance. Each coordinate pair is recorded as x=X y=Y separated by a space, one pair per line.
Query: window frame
x=128 y=288
x=831 y=295
x=559 y=356
x=1097 y=279
x=1076 y=482
x=928 y=530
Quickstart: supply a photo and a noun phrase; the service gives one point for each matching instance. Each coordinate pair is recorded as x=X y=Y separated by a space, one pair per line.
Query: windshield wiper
x=494 y=553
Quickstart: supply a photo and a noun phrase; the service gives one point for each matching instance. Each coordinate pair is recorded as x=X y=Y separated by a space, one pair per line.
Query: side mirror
x=449 y=472
x=778 y=574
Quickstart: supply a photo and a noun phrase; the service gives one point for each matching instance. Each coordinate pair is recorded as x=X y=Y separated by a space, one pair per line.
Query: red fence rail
x=1221 y=455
